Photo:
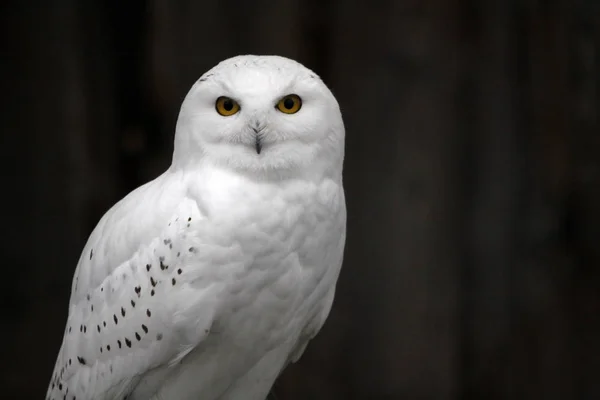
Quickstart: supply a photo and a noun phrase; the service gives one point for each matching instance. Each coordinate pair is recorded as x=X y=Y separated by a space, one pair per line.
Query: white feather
x=207 y=281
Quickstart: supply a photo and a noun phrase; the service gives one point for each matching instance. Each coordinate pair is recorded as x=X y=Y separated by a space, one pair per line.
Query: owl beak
x=257 y=139
x=257 y=144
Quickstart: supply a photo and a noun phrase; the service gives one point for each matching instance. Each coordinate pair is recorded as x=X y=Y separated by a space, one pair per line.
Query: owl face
x=261 y=115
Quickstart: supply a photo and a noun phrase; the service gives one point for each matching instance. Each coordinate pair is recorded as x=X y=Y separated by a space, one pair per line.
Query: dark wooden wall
x=472 y=267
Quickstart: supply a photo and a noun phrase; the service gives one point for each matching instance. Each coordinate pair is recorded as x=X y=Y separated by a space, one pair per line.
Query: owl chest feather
x=286 y=243
x=281 y=255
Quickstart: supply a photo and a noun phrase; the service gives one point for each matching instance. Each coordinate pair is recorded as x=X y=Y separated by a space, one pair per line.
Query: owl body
x=272 y=297
x=206 y=282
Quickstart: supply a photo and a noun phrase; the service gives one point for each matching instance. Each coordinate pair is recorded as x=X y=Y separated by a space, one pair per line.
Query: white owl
x=207 y=281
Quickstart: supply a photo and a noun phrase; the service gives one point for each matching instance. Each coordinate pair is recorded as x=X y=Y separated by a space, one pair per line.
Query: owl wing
x=131 y=309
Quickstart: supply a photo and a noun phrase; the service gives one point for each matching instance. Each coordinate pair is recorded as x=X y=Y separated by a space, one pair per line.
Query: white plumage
x=207 y=281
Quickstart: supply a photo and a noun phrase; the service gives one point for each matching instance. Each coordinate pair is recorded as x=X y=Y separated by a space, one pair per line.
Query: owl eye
x=226 y=106
x=289 y=104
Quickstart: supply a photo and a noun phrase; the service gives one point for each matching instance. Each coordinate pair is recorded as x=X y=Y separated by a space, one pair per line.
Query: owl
x=206 y=282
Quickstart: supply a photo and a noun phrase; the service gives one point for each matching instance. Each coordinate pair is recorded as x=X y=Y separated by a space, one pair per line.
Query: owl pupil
x=288 y=103
x=228 y=105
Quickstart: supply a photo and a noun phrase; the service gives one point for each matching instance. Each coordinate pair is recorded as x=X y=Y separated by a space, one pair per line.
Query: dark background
x=472 y=267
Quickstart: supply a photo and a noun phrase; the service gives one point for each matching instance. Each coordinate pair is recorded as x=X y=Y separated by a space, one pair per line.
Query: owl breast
x=280 y=249
x=293 y=240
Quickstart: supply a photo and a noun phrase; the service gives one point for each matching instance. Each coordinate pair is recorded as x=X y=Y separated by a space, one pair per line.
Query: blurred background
x=472 y=266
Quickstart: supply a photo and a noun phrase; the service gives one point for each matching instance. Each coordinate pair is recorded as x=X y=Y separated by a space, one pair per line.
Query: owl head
x=267 y=116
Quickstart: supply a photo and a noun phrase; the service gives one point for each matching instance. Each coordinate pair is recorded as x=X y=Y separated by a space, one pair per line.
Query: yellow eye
x=226 y=106
x=290 y=104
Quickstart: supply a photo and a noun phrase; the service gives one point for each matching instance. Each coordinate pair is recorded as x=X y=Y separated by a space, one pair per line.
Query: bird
x=208 y=281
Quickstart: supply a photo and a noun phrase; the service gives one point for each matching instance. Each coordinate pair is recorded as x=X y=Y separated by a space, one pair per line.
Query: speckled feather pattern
x=202 y=284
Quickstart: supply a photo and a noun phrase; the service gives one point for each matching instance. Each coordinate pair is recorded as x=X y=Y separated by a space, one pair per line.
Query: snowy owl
x=206 y=282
